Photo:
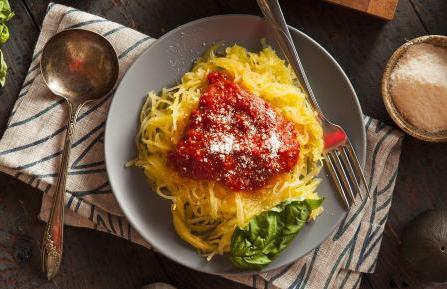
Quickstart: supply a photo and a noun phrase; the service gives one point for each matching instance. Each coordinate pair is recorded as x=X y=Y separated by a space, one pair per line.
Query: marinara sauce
x=235 y=138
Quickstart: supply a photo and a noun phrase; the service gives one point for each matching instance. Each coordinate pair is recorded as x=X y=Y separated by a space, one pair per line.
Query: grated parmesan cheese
x=223 y=146
x=274 y=144
x=419 y=87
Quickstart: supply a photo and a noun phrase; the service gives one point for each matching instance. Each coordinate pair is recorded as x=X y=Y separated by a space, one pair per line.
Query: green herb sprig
x=269 y=233
x=6 y=14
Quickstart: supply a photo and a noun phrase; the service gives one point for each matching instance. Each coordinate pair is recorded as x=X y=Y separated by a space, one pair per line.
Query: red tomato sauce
x=235 y=138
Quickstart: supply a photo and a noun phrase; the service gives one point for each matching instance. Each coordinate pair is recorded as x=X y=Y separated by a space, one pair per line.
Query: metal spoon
x=79 y=66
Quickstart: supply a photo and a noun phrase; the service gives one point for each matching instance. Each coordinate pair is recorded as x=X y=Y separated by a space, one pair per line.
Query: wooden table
x=362 y=46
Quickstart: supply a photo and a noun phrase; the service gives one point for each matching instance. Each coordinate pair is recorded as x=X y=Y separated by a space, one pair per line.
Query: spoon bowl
x=79 y=65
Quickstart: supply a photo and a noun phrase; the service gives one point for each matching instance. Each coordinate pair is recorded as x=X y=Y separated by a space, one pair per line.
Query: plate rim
x=242 y=272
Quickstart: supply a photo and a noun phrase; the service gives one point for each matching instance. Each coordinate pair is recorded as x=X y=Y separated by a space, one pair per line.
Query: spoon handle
x=52 y=243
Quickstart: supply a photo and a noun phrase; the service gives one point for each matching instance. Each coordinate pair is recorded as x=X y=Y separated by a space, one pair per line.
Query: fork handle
x=274 y=16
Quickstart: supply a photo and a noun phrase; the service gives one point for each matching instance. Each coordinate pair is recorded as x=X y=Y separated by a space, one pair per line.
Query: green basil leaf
x=4 y=33
x=269 y=233
x=3 y=69
x=6 y=12
x=314 y=203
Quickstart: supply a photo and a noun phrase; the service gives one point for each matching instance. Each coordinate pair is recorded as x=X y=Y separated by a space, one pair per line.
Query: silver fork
x=340 y=158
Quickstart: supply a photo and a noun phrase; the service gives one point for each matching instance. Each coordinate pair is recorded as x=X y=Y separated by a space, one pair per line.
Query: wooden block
x=381 y=8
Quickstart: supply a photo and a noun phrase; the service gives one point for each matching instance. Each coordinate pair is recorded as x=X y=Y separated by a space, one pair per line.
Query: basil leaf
x=3 y=69
x=269 y=233
x=6 y=12
x=314 y=203
x=4 y=33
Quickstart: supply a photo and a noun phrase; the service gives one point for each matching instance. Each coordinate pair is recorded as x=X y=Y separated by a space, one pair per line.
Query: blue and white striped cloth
x=31 y=149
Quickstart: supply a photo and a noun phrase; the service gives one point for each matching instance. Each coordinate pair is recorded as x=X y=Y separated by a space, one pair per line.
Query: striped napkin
x=31 y=150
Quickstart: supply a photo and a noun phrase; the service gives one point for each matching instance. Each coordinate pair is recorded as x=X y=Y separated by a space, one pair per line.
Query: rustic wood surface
x=381 y=8
x=362 y=45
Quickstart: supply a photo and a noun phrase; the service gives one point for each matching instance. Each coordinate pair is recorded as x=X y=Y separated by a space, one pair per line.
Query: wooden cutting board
x=382 y=8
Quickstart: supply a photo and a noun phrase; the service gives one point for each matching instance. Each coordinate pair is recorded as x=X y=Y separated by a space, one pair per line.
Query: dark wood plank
x=18 y=243
x=190 y=279
x=17 y=52
x=433 y=15
x=113 y=10
x=108 y=262
x=152 y=17
x=365 y=284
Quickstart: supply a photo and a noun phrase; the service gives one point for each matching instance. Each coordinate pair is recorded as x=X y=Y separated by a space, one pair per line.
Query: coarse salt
x=419 y=86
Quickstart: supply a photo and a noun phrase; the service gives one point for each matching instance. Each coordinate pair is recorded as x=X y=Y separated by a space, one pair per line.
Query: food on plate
x=237 y=149
x=235 y=138
x=419 y=86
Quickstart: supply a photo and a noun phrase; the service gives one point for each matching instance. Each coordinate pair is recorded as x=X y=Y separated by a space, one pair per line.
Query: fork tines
x=346 y=173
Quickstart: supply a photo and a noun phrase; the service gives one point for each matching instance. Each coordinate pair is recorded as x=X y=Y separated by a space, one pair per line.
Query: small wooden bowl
x=437 y=40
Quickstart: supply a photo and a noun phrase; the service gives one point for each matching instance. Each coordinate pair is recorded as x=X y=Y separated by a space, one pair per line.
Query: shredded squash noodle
x=205 y=213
